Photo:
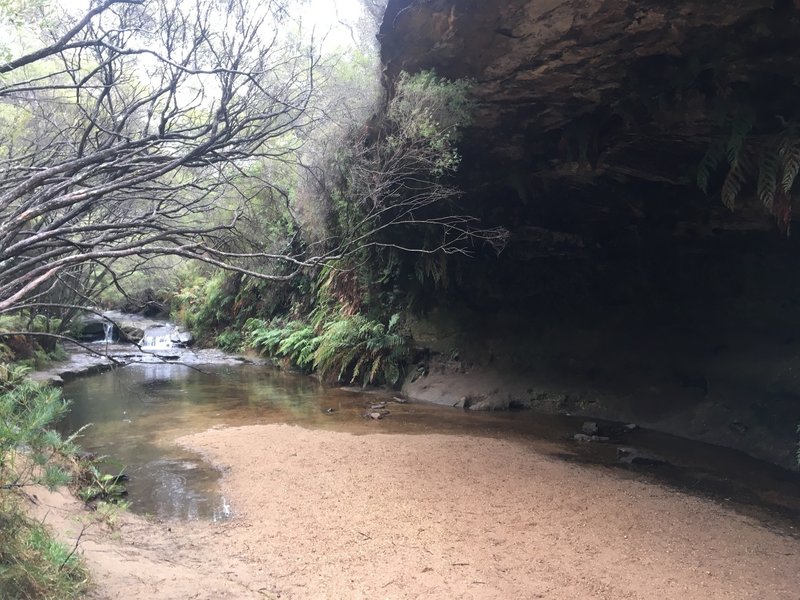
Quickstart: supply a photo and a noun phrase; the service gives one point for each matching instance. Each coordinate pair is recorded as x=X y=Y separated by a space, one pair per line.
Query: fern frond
x=395 y=341
x=376 y=367
x=782 y=210
x=740 y=128
x=392 y=373
x=344 y=361
x=737 y=177
x=358 y=367
x=791 y=165
x=305 y=358
x=768 y=177
x=712 y=159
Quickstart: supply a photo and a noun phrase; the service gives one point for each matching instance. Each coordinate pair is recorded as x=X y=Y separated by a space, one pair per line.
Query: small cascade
x=108 y=328
x=158 y=338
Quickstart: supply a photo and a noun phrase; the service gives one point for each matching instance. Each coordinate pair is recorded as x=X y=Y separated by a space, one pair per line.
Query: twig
x=75 y=548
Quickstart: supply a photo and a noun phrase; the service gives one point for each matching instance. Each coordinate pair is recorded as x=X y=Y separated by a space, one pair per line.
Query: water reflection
x=138 y=411
x=183 y=488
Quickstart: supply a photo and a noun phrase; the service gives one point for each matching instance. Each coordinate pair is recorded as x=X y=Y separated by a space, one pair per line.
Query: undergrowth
x=25 y=350
x=347 y=349
x=32 y=564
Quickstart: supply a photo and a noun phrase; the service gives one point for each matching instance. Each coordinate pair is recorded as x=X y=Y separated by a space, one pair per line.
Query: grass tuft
x=33 y=565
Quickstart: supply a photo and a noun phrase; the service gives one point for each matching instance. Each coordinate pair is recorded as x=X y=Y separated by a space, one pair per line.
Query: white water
x=159 y=338
x=109 y=333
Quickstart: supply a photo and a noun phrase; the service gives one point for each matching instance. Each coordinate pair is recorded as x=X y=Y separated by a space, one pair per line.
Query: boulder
x=132 y=334
x=182 y=339
x=463 y=402
x=90 y=328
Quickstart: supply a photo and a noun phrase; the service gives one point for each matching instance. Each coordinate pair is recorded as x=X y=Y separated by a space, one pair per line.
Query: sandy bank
x=322 y=514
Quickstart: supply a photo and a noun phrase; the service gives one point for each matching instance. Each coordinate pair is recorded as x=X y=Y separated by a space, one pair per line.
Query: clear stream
x=138 y=411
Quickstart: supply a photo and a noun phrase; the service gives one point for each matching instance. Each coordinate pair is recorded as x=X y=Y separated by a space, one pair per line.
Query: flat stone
x=490 y=404
x=583 y=437
x=633 y=456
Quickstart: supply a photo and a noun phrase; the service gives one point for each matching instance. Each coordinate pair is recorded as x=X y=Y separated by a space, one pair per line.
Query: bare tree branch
x=152 y=128
x=65 y=42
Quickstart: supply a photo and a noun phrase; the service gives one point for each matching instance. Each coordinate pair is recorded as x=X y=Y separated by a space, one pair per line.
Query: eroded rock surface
x=625 y=291
x=640 y=78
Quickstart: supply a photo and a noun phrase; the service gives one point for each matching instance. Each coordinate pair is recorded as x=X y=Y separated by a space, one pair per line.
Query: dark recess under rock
x=625 y=288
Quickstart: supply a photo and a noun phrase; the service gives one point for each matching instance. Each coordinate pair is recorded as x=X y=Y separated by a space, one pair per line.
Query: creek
x=138 y=411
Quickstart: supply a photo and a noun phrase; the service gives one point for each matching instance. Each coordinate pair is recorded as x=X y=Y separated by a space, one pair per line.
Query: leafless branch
x=151 y=128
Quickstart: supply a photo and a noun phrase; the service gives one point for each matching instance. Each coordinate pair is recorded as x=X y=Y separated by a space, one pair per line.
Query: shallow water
x=138 y=411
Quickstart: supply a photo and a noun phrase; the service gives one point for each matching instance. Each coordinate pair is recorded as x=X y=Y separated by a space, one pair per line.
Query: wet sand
x=326 y=514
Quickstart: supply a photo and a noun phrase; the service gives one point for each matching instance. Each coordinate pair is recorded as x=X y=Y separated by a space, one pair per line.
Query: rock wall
x=625 y=291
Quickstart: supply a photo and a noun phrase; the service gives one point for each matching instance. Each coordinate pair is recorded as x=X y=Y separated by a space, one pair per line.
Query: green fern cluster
x=294 y=340
x=204 y=305
x=354 y=348
x=772 y=162
x=229 y=340
x=362 y=349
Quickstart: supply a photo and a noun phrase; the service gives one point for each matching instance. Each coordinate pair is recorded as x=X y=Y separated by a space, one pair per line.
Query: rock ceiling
x=603 y=88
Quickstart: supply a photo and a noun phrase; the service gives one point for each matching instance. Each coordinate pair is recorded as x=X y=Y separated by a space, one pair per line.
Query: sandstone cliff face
x=624 y=284
x=602 y=89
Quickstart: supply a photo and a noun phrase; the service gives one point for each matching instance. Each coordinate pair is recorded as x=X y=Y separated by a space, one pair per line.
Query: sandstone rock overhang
x=625 y=287
x=620 y=90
